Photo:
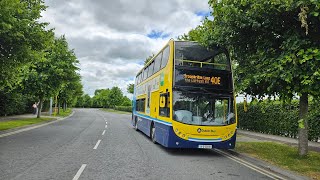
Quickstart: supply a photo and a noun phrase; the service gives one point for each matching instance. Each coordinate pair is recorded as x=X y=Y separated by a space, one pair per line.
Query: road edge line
x=250 y=165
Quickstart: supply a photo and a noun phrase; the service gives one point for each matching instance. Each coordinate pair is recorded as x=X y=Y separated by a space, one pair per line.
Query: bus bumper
x=173 y=141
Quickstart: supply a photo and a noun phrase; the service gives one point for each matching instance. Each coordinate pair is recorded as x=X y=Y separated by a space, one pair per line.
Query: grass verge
x=64 y=113
x=284 y=156
x=115 y=111
x=5 y=125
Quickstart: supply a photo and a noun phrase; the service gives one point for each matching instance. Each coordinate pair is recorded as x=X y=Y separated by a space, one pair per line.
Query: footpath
x=22 y=116
x=16 y=130
x=248 y=136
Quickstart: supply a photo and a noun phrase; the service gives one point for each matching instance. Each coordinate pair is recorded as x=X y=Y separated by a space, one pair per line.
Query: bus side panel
x=144 y=125
x=162 y=133
x=176 y=142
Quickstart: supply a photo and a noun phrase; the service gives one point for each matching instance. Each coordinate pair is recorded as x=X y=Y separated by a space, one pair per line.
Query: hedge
x=124 y=108
x=277 y=119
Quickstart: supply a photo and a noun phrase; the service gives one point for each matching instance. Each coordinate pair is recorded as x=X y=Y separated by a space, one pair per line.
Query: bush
x=277 y=119
x=124 y=108
x=12 y=103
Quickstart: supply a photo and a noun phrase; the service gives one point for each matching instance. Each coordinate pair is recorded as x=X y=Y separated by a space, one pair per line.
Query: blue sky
x=158 y=34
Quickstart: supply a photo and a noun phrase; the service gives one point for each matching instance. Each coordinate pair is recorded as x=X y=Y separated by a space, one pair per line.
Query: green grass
x=64 y=113
x=5 y=125
x=115 y=111
x=284 y=156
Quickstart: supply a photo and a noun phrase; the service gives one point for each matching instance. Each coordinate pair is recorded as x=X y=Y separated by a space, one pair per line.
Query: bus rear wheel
x=136 y=123
x=153 y=134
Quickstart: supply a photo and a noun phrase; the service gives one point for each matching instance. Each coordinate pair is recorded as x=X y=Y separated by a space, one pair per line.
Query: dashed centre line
x=106 y=126
x=104 y=131
x=96 y=146
x=76 y=177
x=106 y=122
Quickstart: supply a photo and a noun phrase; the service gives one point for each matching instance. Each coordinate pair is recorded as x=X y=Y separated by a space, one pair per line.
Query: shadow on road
x=190 y=152
x=182 y=151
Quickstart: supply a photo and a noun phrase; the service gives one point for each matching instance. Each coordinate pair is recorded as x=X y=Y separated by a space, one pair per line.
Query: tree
x=115 y=97
x=87 y=101
x=148 y=59
x=130 y=88
x=70 y=90
x=276 y=45
x=103 y=97
x=53 y=69
x=21 y=37
x=126 y=101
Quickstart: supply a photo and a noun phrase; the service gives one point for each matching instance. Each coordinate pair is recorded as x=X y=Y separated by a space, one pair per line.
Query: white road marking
x=104 y=131
x=106 y=122
x=106 y=126
x=96 y=146
x=249 y=165
x=76 y=177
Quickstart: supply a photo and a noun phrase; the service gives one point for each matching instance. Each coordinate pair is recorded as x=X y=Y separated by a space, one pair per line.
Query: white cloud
x=110 y=37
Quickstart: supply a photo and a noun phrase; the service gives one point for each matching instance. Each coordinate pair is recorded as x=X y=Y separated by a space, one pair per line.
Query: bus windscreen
x=192 y=54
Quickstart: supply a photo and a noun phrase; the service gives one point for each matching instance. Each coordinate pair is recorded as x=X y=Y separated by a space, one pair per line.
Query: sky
x=112 y=38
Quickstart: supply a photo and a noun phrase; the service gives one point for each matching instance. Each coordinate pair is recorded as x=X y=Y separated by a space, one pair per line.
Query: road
x=94 y=144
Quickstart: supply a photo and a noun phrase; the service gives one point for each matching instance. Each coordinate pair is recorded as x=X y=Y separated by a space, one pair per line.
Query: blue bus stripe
x=153 y=119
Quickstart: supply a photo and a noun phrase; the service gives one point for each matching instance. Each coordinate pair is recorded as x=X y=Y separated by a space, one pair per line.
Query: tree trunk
x=303 y=125
x=55 y=105
x=58 y=106
x=39 y=108
x=64 y=105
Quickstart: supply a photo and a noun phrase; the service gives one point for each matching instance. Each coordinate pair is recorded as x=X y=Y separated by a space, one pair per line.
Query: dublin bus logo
x=199 y=130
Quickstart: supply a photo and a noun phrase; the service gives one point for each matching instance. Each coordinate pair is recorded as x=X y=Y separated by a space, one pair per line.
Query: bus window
x=150 y=72
x=139 y=78
x=140 y=105
x=145 y=73
x=157 y=63
x=165 y=57
x=220 y=60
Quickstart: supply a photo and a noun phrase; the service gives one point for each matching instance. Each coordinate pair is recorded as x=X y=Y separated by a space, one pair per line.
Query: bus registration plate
x=205 y=146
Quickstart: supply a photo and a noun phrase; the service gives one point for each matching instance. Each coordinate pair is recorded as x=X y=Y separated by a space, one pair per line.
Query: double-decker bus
x=184 y=97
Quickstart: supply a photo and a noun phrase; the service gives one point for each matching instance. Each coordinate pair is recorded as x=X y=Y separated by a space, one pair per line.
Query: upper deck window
x=165 y=57
x=192 y=54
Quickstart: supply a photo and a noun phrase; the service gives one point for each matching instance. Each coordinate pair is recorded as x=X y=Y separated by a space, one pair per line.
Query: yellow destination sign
x=202 y=79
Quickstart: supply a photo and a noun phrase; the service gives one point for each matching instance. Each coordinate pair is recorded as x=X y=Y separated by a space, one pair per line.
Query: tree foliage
x=53 y=71
x=276 y=46
x=104 y=98
x=34 y=65
x=148 y=59
x=21 y=37
x=130 y=88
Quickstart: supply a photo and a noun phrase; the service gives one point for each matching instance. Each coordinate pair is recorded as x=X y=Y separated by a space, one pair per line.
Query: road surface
x=93 y=144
